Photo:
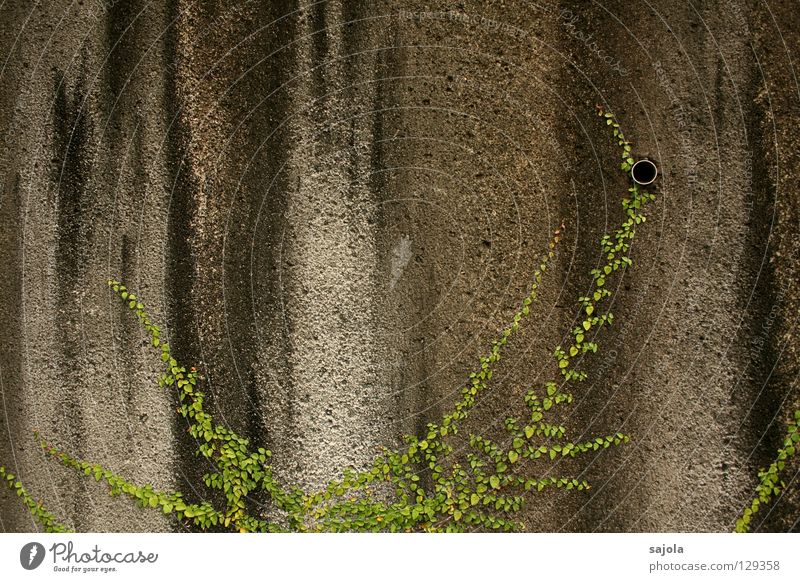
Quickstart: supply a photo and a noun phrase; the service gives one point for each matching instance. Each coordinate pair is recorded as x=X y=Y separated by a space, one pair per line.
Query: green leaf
x=494 y=481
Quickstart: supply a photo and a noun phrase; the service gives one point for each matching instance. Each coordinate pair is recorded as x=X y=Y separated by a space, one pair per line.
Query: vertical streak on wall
x=12 y=405
x=775 y=33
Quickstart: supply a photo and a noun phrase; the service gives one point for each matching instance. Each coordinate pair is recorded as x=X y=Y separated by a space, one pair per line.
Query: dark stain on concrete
x=70 y=175
x=269 y=226
x=773 y=32
x=319 y=43
x=123 y=45
x=183 y=336
x=12 y=426
x=761 y=388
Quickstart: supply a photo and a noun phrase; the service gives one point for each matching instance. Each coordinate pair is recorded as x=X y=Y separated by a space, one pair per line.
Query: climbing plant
x=770 y=483
x=440 y=480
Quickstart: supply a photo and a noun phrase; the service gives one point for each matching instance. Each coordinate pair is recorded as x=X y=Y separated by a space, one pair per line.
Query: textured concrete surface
x=334 y=206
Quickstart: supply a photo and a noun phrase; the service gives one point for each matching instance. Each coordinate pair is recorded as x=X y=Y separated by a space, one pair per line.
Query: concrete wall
x=334 y=206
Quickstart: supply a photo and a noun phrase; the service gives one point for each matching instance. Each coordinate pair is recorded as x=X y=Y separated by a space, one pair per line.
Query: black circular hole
x=644 y=172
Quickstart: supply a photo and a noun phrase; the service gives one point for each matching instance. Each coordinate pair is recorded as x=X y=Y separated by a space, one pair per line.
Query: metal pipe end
x=644 y=172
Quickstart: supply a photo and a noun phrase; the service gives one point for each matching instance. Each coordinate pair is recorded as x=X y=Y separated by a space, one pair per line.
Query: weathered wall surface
x=334 y=206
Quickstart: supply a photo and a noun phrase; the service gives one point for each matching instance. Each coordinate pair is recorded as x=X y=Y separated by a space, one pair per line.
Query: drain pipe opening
x=644 y=172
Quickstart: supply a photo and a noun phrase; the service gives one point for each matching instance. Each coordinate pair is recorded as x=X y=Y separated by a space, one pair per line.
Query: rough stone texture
x=335 y=206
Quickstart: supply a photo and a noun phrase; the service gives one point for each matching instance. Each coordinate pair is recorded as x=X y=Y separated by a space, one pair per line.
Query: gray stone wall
x=333 y=207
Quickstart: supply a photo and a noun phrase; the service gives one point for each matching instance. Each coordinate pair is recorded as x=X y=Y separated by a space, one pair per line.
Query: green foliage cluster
x=423 y=485
x=769 y=481
x=38 y=511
